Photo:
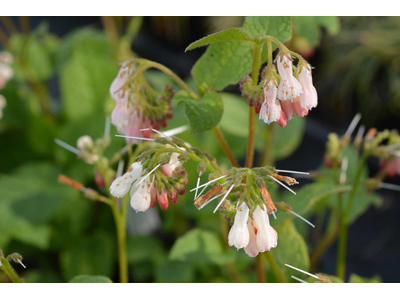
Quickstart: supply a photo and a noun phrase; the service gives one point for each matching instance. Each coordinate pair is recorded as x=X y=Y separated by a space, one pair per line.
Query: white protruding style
x=223 y=199
x=298 y=279
x=286 y=187
x=300 y=270
x=176 y=131
x=134 y=137
x=353 y=125
x=20 y=262
x=302 y=218
x=148 y=174
x=207 y=183
x=389 y=186
x=67 y=146
x=293 y=172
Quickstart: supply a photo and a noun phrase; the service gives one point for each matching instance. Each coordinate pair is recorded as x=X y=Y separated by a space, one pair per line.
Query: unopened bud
x=267 y=200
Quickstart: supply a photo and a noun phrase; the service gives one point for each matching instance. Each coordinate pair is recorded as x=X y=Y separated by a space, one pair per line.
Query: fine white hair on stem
x=286 y=187
x=207 y=183
x=361 y=131
x=353 y=125
x=120 y=168
x=210 y=200
x=298 y=279
x=67 y=146
x=148 y=174
x=197 y=185
x=389 y=186
x=223 y=199
x=300 y=270
x=21 y=263
x=107 y=127
x=174 y=162
x=201 y=192
x=302 y=218
x=134 y=137
x=273 y=213
x=343 y=170
x=176 y=131
x=156 y=131
x=293 y=172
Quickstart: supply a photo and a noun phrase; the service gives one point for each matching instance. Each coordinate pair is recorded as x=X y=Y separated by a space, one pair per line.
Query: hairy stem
x=252 y=127
x=9 y=270
x=225 y=147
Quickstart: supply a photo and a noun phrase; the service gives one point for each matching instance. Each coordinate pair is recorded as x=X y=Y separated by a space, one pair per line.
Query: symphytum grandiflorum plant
x=277 y=84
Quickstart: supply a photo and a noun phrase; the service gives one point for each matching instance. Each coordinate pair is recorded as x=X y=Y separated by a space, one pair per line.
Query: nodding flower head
x=271 y=108
x=309 y=98
x=138 y=106
x=289 y=87
x=239 y=234
x=141 y=195
x=121 y=185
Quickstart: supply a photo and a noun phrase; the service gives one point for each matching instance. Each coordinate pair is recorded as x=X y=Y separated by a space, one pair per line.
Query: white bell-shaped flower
x=239 y=233
x=121 y=185
x=267 y=237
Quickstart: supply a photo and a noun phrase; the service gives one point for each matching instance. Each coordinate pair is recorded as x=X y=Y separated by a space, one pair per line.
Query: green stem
x=260 y=269
x=120 y=223
x=344 y=222
x=225 y=147
x=252 y=127
x=274 y=266
x=9 y=270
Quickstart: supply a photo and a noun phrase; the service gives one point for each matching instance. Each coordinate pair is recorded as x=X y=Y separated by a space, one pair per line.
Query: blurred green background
x=63 y=69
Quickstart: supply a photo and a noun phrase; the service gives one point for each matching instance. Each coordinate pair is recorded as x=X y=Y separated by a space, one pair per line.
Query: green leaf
x=91 y=255
x=291 y=249
x=286 y=140
x=307 y=197
x=278 y=27
x=202 y=115
x=232 y=34
x=222 y=64
x=30 y=197
x=144 y=248
x=235 y=120
x=86 y=76
x=354 y=278
x=310 y=27
x=90 y=279
x=175 y=271
x=199 y=246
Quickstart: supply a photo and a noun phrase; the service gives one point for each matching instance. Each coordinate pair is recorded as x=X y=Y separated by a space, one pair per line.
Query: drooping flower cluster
x=248 y=206
x=253 y=233
x=146 y=190
x=6 y=73
x=282 y=93
x=138 y=106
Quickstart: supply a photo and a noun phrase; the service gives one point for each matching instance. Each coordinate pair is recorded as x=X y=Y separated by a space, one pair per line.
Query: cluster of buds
x=138 y=106
x=248 y=207
x=284 y=90
x=88 y=151
x=389 y=153
x=6 y=73
x=149 y=183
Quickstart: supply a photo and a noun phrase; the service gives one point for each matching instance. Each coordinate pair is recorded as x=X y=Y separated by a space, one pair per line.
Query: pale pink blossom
x=117 y=88
x=239 y=233
x=141 y=195
x=289 y=87
x=252 y=248
x=271 y=108
x=121 y=185
x=309 y=98
x=287 y=107
x=267 y=237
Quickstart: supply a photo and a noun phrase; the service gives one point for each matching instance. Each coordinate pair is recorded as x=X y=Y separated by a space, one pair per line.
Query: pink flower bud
x=163 y=200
